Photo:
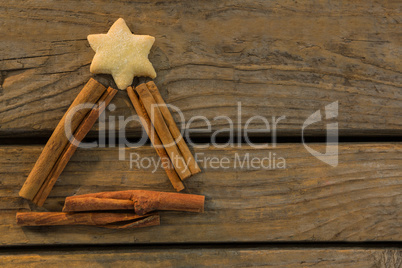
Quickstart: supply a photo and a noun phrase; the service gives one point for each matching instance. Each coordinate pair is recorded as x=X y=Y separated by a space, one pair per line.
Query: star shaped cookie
x=122 y=54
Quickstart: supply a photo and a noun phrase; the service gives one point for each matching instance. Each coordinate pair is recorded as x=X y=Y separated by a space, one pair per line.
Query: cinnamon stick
x=95 y=204
x=156 y=142
x=142 y=201
x=174 y=130
x=91 y=92
x=163 y=132
x=68 y=152
x=107 y=220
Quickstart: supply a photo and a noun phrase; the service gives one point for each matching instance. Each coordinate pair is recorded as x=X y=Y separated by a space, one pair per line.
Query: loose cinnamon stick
x=156 y=142
x=164 y=134
x=151 y=220
x=107 y=220
x=91 y=92
x=143 y=201
x=174 y=130
x=68 y=152
x=94 y=204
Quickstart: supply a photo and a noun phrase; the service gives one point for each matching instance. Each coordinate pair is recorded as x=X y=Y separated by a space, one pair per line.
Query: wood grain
x=235 y=257
x=359 y=200
x=279 y=58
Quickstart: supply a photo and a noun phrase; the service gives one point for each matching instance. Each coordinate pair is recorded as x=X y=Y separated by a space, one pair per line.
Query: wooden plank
x=359 y=200
x=279 y=58
x=220 y=257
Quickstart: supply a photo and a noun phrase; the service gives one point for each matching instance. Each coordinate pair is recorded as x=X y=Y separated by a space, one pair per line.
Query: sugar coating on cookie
x=122 y=54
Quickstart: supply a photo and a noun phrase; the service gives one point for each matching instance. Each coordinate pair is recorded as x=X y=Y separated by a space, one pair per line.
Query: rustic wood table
x=217 y=58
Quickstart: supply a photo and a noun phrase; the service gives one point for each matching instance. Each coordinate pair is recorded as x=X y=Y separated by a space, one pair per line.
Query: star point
x=122 y=54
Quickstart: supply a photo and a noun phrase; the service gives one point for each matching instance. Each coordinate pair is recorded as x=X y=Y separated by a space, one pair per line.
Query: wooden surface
x=237 y=257
x=359 y=200
x=279 y=58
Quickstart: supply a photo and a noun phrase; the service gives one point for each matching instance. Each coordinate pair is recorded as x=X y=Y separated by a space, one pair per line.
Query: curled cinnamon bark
x=69 y=150
x=174 y=130
x=95 y=204
x=107 y=220
x=91 y=92
x=156 y=142
x=141 y=200
x=163 y=131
